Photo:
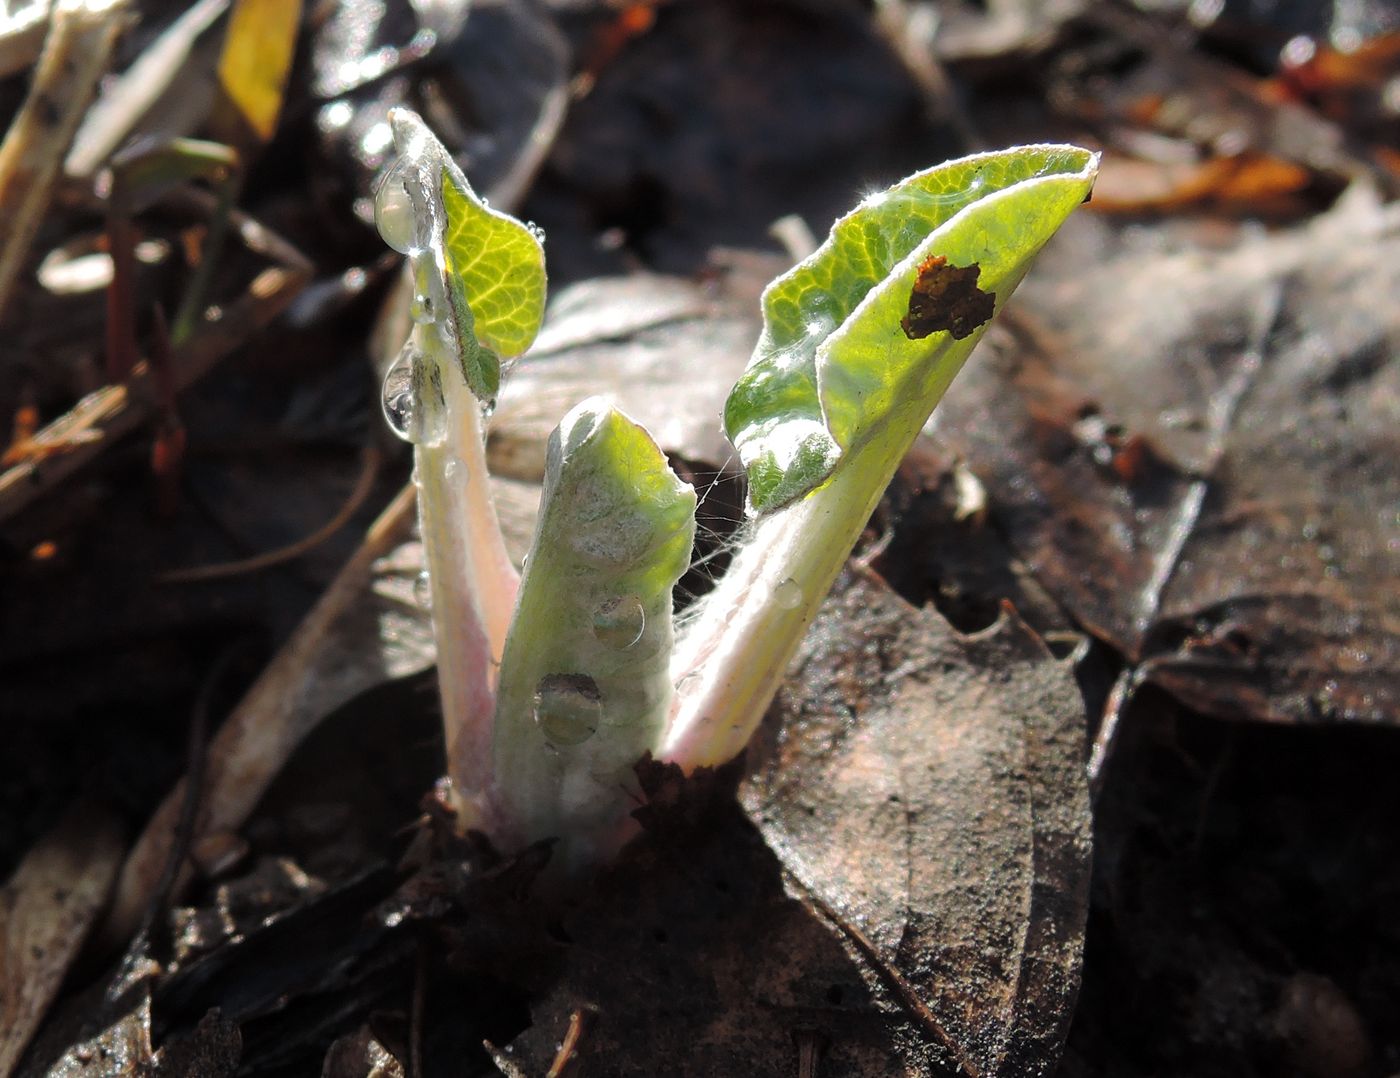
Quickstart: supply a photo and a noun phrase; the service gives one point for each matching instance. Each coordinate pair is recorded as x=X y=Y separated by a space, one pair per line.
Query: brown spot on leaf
x=947 y=298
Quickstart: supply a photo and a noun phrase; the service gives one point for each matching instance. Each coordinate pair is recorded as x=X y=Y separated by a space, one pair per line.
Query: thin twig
x=76 y=54
x=417 y=1008
x=508 y=1067
x=261 y=732
x=894 y=980
x=97 y=420
x=1106 y=737
x=579 y=1023
x=371 y=458
x=910 y=31
x=194 y=787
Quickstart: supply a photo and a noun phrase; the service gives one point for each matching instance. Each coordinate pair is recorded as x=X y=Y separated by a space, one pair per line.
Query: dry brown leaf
x=928 y=789
x=46 y=911
x=1200 y=462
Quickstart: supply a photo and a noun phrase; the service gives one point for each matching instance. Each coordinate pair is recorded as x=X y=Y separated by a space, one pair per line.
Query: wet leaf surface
x=1200 y=463
x=105 y=1030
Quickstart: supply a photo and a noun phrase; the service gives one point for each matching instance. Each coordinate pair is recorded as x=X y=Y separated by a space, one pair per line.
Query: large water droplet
x=397 y=396
x=568 y=708
x=423 y=590
x=619 y=623
x=412 y=398
x=788 y=594
x=393 y=209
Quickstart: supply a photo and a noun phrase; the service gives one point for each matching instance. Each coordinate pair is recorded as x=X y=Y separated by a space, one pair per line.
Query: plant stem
x=473 y=593
x=731 y=658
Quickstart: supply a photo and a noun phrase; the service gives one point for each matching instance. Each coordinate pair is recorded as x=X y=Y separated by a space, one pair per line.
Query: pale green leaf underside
x=833 y=361
x=614 y=534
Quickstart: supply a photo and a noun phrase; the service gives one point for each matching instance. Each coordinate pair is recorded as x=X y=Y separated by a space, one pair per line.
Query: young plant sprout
x=554 y=687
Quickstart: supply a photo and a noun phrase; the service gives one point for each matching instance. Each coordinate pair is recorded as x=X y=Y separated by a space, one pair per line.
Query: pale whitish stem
x=473 y=587
x=731 y=657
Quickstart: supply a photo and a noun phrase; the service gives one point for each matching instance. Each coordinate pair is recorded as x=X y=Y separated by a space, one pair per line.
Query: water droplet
x=412 y=398
x=393 y=209
x=619 y=623
x=815 y=305
x=787 y=595
x=423 y=591
x=420 y=308
x=568 y=708
x=397 y=397
x=536 y=231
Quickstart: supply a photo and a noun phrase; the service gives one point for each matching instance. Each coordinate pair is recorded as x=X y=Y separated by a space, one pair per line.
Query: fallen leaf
x=928 y=789
x=1247 y=184
x=371 y=626
x=256 y=59
x=623 y=337
x=694 y=961
x=211 y=1050
x=907 y=894
x=1198 y=458
x=46 y=911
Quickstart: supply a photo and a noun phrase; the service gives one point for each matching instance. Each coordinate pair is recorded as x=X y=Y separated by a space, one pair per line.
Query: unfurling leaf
x=585 y=684
x=884 y=313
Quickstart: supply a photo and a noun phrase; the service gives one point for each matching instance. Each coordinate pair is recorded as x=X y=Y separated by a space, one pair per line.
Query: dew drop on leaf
x=787 y=595
x=568 y=708
x=619 y=623
x=393 y=210
x=423 y=591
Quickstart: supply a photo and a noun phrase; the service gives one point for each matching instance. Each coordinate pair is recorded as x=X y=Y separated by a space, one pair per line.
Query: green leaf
x=585 y=683
x=884 y=313
x=496 y=265
x=481 y=270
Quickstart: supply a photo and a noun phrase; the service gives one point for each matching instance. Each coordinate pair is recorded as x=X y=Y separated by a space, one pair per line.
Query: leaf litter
x=894 y=961
x=1196 y=454
x=927 y=789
